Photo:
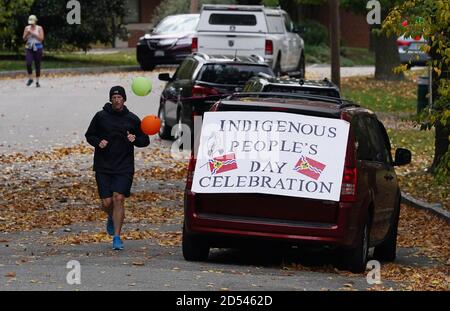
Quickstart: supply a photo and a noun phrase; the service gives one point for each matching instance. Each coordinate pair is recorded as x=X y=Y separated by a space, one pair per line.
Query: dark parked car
x=366 y=214
x=169 y=43
x=199 y=82
x=262 y=83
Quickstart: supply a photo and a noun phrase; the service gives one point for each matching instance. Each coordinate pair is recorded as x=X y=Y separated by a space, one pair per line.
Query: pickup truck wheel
x=164 y=130
x=194 y=248
x=387 y=250
x=277 y=68
x=301 y=67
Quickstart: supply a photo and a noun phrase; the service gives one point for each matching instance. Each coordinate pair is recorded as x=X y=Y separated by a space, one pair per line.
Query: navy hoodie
x=118 y=156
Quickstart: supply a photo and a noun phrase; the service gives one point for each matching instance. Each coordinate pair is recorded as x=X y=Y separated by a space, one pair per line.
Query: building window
x=133 y=11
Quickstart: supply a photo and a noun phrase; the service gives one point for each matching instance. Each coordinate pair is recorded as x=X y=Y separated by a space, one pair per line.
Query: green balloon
x=141 y=86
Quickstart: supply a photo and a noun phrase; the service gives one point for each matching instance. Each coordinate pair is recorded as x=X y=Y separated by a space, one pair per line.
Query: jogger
x=33 y=34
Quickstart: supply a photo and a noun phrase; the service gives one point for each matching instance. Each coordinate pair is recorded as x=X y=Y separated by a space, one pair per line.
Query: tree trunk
x=386 y=54
x=442 y=134
x=194 y=6
x=114 y=32
x=440 y=144
x=335 y=36
x=386 y=58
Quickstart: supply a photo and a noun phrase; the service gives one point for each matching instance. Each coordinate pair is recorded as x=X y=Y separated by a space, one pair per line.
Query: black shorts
x=109 y=183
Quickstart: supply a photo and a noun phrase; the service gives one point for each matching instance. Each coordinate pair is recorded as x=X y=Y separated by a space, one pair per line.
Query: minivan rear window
x=233 y=74
x=232 y=19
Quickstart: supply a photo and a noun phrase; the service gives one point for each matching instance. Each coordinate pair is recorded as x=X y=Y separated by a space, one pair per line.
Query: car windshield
x=235 y=74
x=177 y=24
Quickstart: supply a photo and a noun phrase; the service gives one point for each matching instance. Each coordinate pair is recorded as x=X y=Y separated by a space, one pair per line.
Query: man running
x=114 y=132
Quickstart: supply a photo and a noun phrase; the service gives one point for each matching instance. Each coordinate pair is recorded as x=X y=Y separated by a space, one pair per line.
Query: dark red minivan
x=366 y=215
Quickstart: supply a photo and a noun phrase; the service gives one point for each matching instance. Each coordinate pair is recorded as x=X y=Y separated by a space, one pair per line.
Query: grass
x=414 y=178
x=383 y=96
x=12 y=61
x=350 y=57
x=314 y=55
x=395 y=104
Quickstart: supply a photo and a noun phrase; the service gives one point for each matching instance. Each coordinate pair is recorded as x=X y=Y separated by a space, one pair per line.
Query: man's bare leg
x=107 y=206
x=118 y=212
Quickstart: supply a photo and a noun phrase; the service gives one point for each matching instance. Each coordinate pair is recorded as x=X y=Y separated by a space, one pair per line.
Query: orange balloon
x=150 y=125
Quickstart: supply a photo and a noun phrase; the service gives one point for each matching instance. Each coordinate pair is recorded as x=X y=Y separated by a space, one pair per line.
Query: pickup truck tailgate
x=245 y=44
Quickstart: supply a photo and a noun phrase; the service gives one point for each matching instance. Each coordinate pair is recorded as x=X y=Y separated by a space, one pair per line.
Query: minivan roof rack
x=341 y=102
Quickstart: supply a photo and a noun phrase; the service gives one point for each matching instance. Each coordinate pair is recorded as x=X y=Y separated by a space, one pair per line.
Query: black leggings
x=37 y=57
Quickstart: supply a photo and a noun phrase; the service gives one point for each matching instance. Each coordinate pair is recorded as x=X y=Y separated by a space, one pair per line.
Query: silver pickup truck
x=245 y=30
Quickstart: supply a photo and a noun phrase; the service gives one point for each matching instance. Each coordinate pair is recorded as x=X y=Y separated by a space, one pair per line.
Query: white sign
x=271 y=152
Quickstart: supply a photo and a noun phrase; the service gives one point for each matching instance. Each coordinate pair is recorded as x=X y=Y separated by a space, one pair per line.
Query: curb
x=80 y=70
x=434 y=208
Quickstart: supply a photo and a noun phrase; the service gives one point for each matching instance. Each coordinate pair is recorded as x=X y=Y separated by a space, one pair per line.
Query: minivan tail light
x=194 y=45
x=202 y=91
x=269 y=47
x=191 y=170
x=348 y=188
x=350 y=176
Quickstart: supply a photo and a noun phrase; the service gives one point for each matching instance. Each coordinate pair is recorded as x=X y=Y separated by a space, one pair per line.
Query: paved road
x=59 y=112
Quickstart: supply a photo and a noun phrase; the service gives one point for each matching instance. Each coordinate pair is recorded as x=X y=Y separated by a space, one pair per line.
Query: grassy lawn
x=11 y=61
x=414 y=178
x=314 y=55
x=395 y=104
x=382 y=96
x=320 y=54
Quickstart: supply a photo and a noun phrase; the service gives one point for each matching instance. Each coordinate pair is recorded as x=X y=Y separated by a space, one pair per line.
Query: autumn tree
x=430 y=18
x=11 y=14
x=101 y=21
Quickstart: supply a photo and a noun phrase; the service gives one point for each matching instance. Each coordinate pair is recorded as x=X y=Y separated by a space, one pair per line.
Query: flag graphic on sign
x=309 y=167
x=222 y=164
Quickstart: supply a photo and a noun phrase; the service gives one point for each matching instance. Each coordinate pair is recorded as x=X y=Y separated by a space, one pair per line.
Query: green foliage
x=100 y=22
x=430 y=18
x=93 y=28
x=172 y=7
x=271 y=3
x=11 y=15
x=315 y=33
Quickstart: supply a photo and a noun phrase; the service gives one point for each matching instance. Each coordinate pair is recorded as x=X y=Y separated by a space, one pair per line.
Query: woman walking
x=33 y=34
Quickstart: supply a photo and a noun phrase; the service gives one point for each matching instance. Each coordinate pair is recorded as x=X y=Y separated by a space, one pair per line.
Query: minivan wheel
x=355 y=259
x=164 y=130
x=194 y=248
x=387 y=250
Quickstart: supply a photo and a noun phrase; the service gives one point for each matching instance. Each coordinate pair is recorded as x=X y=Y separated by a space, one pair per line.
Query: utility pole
x=194 y=6
x=335 y=33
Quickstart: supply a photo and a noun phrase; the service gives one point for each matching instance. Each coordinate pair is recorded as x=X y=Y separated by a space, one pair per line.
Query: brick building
x=138 y=20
